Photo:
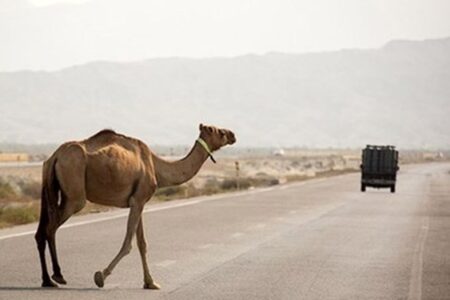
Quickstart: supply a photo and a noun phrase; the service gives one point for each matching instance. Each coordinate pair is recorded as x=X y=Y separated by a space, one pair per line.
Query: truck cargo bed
x=379 y=167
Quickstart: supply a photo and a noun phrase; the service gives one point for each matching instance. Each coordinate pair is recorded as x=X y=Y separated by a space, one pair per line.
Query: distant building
x=278 y=152
x=14 y=157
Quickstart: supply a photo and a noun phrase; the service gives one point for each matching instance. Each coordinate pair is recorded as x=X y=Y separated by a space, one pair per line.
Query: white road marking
x=165 y=263
x=296 y=184
x=237 y=235
x=16 y=235
x=258 y=226
x=117 y=216
x=415 y=283
x=154 y=209
x=205 y=246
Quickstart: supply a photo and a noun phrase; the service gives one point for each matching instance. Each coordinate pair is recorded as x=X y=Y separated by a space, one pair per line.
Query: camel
x=115 y=170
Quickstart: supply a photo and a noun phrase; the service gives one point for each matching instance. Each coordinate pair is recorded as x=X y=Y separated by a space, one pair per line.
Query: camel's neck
x=177 y=172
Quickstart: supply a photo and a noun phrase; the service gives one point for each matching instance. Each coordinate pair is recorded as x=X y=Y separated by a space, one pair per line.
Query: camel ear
x=200 y=126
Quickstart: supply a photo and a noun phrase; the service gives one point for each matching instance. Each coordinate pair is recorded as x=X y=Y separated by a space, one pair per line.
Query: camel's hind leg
x=70 y=170
x=41 y=240
x=136 y=208
x=68 y=208
x=142 y=245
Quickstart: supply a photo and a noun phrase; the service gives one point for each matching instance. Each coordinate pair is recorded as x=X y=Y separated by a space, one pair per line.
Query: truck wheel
x=363 y=187
x=393 y=188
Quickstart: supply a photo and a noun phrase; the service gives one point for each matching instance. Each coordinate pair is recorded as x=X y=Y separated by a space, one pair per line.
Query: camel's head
x=215 y=137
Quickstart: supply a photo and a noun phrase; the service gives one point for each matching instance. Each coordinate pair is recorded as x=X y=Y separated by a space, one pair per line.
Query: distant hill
x=398 y=94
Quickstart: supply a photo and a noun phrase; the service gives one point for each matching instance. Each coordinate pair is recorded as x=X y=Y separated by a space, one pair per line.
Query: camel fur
x=115 y=170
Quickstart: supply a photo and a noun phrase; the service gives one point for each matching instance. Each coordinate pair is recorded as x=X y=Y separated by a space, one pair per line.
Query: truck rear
x=379 y=167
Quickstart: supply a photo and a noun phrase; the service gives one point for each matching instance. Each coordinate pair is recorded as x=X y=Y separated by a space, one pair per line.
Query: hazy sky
x=51 y=34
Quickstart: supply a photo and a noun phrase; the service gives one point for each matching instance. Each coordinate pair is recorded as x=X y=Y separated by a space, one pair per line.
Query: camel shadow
x=37 y=288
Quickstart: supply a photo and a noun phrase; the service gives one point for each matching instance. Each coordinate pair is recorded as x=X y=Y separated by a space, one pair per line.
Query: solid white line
x=415 y=283
x=237 y=235
x=154 y=209
x=117 y=216
x=148 y=210
x=257 y=226
x=16 y=235
x=165 y=263
x=205 y=246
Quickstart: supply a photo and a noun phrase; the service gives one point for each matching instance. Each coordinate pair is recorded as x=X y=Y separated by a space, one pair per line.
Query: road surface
x=320 y=239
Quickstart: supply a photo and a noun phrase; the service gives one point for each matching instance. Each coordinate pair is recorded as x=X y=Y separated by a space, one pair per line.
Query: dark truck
x=379 y=167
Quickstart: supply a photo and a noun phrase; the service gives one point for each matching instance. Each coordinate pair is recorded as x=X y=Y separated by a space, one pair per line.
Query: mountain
x=398 y=94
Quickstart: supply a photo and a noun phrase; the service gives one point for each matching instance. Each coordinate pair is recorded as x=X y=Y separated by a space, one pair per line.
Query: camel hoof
x=99 y=279
x=49 y=284
x=59 y=279
x=152 y=286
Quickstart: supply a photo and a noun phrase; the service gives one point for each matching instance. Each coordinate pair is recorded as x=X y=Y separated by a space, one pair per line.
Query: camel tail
x=49 y=194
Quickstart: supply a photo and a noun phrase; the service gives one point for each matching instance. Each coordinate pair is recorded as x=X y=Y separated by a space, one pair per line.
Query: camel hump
x=105 y=131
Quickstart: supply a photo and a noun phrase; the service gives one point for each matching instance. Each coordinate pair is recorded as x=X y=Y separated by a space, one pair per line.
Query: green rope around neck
x=206 y=147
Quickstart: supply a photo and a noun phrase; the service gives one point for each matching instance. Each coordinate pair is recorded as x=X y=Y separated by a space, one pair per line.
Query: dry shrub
x=31 y=189
x=247 y=182
x=170 y=192
x=232 y=184
x=7 y=192
x=14 y=215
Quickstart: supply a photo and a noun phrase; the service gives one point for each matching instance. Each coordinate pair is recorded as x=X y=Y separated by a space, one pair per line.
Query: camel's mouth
x=231 y=138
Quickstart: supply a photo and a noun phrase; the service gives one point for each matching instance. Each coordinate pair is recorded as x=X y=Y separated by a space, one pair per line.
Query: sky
x=53 y=34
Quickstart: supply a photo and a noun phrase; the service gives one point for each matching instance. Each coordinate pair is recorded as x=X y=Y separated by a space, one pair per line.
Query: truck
x=379 y=167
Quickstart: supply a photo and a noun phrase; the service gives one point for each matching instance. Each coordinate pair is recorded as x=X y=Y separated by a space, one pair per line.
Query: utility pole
x=236 y=164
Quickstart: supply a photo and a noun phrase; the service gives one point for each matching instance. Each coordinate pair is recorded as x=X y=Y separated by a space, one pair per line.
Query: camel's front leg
x=142 y=245
x=133 y=221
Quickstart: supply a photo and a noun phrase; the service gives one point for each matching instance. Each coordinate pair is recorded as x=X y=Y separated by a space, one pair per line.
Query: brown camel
x=115 y=170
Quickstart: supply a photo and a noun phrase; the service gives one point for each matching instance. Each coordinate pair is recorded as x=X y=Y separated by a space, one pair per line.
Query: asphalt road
x=320 y=239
